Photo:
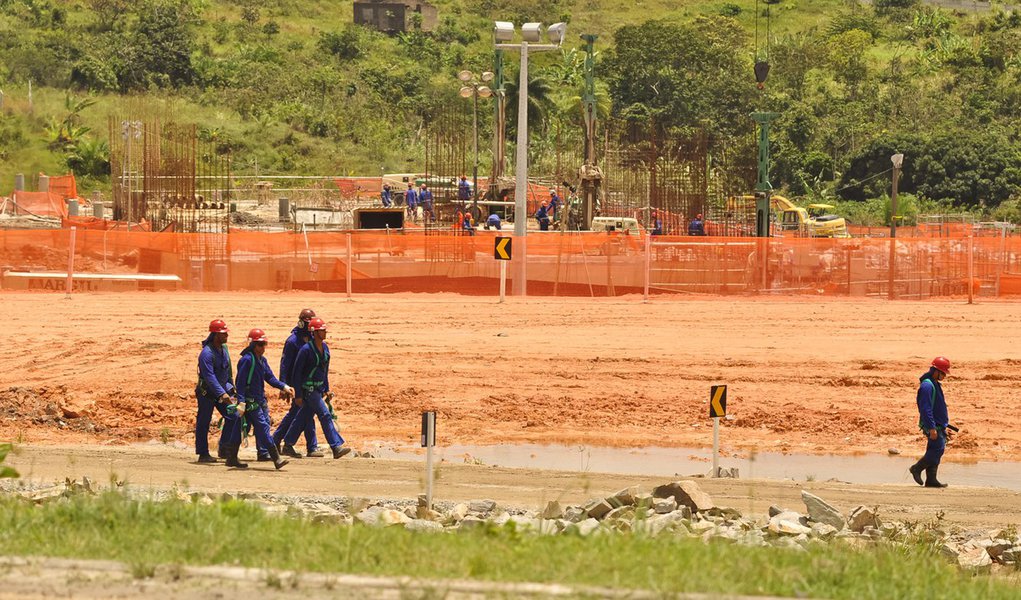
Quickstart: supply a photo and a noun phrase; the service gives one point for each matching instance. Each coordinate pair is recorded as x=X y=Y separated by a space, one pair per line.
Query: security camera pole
x=531 y=34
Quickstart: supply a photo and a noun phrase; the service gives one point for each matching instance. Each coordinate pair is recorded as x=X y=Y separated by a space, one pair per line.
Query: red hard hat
x=942 y=364
x=317 y=324
x=218 y=326
x=257 y=335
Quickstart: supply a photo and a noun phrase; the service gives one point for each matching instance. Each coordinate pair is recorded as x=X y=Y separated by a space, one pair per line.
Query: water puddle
x=668 y=462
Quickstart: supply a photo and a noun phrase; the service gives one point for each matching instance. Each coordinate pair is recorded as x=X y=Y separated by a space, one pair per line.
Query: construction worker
x=311 y=376
x=425 y=198
x=554 y=203
x=468 y=223
x=253 y=374
x=657 y=224
x=933 y=421
x=387 y=196
x=411 y=200
x=300 y=336
x=464 y=190
x=214 y=389
x=493 y=222
x=696 y=226
x=542 y=216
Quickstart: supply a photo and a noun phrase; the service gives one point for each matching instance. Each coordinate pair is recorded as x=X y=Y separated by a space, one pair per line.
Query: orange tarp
x=64 y=185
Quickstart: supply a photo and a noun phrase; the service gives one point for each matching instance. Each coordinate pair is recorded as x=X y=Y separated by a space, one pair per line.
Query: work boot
x=315 y=453
x=222 y=452
x=205 y=458
x=264 y=458
x=930 y=478
x=339 y=451
x=916 y=471
x=232 y=459
x=290 y=451
x=275 y=457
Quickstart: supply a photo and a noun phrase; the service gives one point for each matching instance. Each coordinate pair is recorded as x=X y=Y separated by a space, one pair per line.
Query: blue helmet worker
x=493 y=222
x=542 y=216
x=554 y=202
x=300 y=336
x=253 y=374
x=311 y=377
x=214 y=389
x=387 y=196
x=696 y=226
x=933 y=420
x=464 y=189
x=411 y=198
x=425 y=198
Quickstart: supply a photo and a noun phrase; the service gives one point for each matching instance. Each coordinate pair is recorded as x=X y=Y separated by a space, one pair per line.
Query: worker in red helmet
x=311 y=379
x=933 y=420
x=214 y=389
x=251 y=408
x=300 y=336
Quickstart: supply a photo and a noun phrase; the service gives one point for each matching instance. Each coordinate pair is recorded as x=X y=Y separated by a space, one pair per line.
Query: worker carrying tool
x=214 y=388
x=253 y=373
x=933 y=421
x=300 y=336
x=311 y=376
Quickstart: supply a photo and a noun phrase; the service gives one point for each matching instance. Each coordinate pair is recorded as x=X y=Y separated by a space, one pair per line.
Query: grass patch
x=143 y=533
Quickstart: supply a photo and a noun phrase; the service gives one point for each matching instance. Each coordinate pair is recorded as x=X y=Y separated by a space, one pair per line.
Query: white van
x=618 y=224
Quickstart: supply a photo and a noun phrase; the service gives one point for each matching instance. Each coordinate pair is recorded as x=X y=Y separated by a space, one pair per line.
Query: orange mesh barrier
x=64 y=185
x=569 y=264
x=40 y=204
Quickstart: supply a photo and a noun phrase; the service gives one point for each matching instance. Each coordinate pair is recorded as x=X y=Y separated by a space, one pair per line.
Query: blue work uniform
x=696 y=227
x=425 y=198
x=298 y=338
x=253 y=375
x=543 y=218
x=932 y=414
x=554 y=202
x=387 y=197
x=411 y=199
x=464 y=190
x=311 y=377
x=214 y=381
x=493 y=221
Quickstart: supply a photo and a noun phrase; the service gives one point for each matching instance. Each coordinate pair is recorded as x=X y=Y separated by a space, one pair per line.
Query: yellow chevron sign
x=718 y=401
x=502 y=251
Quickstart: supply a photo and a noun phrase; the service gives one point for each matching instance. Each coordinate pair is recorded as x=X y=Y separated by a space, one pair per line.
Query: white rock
x=423 y=525
x=481 y=506
x=552 y=510
x=862 y=517
x=585 y=528
x=663 y=506
x=379 y=516
x=974 y=557
x=822 y=512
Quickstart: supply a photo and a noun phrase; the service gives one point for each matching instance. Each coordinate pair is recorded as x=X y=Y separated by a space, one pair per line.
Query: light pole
x=531 y=34
x=473 y=88
x=129 y=130
x=898 y=162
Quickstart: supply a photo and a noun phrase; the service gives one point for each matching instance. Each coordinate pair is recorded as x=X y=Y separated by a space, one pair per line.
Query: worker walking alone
x=933 y=420
x=253 y=375
x=411 y=201
x=311 y=376
x=214 y=389
x=300 y=336
x=425 y=198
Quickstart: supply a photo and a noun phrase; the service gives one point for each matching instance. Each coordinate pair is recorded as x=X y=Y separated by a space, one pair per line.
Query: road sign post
x=502 y=253
x=717 y=410
x=428 y=441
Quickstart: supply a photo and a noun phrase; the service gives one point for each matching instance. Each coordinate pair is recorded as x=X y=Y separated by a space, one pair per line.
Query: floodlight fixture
x=556 y=33
x=531 y=32
x=485 y=92
x=465 y=76
x=503 y=31
x=488 y=76
x=897 y=160
x=466 y=91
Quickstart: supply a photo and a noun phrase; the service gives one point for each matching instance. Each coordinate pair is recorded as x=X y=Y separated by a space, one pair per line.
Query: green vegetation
x=291 y=86
x=144 y=534
x=6 y=472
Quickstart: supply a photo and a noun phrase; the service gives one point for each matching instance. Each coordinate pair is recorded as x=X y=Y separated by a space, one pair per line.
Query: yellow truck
x=815 y=221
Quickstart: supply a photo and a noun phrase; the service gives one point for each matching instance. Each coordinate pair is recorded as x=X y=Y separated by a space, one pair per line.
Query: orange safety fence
x=64 y=185
x=561 y=264
x=40 y=204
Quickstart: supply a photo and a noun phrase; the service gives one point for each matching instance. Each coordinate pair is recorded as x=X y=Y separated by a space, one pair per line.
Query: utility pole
x=590 y=176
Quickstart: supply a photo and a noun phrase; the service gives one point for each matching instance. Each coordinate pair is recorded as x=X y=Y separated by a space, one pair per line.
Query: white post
x=971 y=269
x=716 y=446
x=503 y=280
x=70 y=262
x=429 y=477
x=521 y=177
x=349 y=266
x=648 y=266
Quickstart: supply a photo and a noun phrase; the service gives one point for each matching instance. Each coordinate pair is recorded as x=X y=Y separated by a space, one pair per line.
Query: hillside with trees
x=294 y=87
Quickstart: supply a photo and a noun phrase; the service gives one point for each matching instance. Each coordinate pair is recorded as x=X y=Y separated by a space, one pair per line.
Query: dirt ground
x=805 y=375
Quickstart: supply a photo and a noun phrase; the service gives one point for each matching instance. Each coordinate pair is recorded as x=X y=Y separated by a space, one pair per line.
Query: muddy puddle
x=865 y=469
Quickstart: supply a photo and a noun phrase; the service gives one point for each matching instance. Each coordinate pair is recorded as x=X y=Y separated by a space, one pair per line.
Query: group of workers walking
x=241 y=399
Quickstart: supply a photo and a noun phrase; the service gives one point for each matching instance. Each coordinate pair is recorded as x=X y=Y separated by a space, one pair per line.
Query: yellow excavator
x=815 y=221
